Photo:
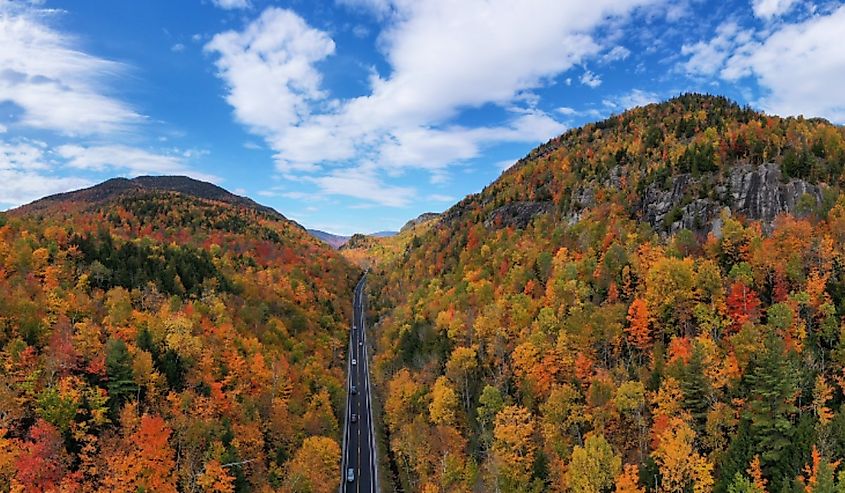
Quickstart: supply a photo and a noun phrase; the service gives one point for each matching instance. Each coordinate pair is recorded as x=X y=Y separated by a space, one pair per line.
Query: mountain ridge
x=632 y=281
x=114 y=187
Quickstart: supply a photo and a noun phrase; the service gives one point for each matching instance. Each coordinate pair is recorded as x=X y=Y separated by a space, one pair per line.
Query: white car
x=354 y=361
x=350 y=475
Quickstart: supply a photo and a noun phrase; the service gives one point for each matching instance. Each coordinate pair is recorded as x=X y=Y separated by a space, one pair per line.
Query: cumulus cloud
x=56 y=86
x=590 y=79
x=25 y=174
x=706 y=58
x=128 y=160
x=632 y=99
x=363 y=183
x=767 y=9
x=799 y=66
x=442 y=62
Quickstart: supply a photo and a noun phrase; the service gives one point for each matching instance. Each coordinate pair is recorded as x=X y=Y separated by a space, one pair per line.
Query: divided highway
x=359 y=469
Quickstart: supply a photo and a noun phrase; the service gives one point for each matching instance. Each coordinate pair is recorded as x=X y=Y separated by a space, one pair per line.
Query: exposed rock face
x=517 y=214
x=756 y=192
x=759 y=193
x=422 y=218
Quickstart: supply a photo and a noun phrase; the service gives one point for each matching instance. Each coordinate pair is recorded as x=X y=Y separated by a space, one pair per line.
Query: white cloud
x=177 y=48
x=57 y=86
x=22 y=187
x=767 y=9
x=362 y=183
x=231 y=4
x=24 y=172
x=26 y=155
x=799 y=67
x=127 y=159
x=590 y=79
x=3 y=129
x=618 y=52
x=269 y=72
x=566 y=110
x=442 y=62
x=632 y=99
x=707 y=58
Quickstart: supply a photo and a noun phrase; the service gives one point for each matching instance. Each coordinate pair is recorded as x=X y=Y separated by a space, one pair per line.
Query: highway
x=359 y=442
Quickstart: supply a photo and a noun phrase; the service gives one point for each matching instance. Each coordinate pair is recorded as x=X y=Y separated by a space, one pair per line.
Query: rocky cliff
x=756 y=192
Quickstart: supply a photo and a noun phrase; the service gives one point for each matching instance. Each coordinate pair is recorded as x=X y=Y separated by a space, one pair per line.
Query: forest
x=586 y=348
x=551 y=333
x=155 y=341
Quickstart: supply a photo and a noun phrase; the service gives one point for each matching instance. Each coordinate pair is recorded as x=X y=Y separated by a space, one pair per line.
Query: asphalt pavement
x=359 y=442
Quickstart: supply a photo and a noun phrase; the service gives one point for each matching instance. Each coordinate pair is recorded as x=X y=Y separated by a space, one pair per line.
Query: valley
x=651 y=302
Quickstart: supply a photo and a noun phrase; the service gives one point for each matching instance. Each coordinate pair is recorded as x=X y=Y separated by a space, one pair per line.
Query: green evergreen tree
x=773 y=387
x=119 y=370
x=696 y=388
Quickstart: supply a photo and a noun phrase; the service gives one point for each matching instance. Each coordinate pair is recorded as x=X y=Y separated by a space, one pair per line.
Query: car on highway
x=353 y=390
x=350 y=475
x=353 y=418
x=354 y=361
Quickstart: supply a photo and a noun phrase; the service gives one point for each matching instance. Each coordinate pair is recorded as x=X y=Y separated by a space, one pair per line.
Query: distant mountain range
x=337 y=241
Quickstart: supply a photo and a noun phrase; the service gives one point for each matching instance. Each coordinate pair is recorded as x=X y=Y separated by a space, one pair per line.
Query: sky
x=357 y=115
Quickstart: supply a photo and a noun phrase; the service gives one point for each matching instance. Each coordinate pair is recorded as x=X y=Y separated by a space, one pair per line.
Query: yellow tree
x=681 y=466
x=444 y=403
x=461 y=364
x=593 y=467
x=513 y=445
x=313 y=468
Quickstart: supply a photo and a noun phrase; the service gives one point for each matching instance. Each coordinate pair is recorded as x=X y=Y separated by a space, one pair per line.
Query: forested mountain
x=335 y=241
x=653 y=302
x=162 y=334
x=369 y=250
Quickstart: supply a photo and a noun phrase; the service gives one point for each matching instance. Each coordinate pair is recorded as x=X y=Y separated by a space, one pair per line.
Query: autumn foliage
x=616 y=351
x=160 y=342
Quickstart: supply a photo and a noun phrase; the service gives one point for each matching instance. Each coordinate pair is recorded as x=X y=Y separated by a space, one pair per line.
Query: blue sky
x=357 y=115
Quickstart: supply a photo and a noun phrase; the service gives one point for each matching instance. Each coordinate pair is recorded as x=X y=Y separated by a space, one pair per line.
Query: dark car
x=353 y=390
x=354 y=418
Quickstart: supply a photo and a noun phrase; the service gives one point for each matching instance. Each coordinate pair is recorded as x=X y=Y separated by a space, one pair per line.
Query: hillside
x=366 y=251
x=165 y=332
x=650 y=301
x=335 y=241
x=116 y=187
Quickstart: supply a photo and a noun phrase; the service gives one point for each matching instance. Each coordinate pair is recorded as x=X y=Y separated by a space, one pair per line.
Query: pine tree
x=119 y=370
x=773 y=383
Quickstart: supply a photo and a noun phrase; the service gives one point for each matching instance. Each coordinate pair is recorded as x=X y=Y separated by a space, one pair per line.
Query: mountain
x=164 y=328
x=336 y=241
x=384 y=234
x=653 y=299
x=421 y=219
x=122 y=186
x=368 y=250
